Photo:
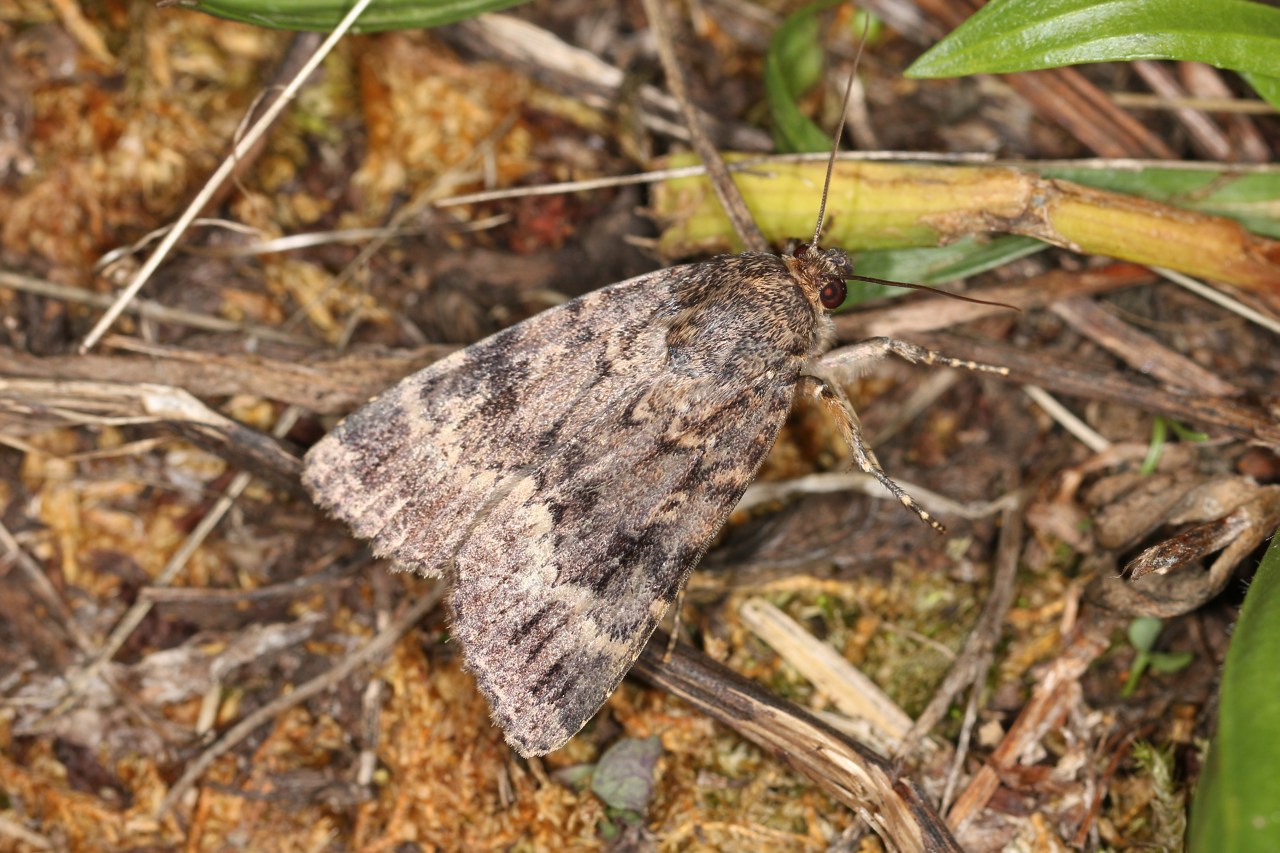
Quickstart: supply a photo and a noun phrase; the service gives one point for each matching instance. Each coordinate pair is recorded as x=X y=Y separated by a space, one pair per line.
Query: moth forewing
x=572 y=469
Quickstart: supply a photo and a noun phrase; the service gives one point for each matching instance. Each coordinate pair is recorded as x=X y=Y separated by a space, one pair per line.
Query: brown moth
x=569 y=472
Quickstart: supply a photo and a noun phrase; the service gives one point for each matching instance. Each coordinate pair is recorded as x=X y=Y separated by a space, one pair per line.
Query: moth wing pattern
x=413 y=470
x=571 y=470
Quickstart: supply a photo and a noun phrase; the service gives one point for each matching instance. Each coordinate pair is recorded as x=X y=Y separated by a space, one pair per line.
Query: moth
x=567 y=473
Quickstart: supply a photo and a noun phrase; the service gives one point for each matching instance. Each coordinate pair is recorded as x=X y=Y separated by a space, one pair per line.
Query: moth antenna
x=835 y=144
x=873 y=280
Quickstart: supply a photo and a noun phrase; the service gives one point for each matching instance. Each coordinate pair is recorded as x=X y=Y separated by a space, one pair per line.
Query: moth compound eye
x=801 y=250
x=833 y=293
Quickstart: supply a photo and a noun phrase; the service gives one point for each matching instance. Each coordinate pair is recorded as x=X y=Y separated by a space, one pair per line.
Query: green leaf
x=792 y=65
x=323 y=15
x=624 y=775
x=935 y=264
x=1160 y=429
x=1167 y=662
x=1236 y=809
x=1155 y=449
x=1144 y=631
x=1266 y=86
x=609 y=830
x=1140 y=663
x=1021 y=35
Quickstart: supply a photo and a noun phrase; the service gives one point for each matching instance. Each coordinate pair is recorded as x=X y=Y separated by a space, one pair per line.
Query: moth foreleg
x=853 y=360
x=832 y=397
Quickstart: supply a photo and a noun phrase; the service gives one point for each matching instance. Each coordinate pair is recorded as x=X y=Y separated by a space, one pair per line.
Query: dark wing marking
x=414 y=469
x=583 y=555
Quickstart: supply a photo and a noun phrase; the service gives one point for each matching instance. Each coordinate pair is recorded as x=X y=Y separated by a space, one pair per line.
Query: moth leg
x=853 y=360
x=833 y=399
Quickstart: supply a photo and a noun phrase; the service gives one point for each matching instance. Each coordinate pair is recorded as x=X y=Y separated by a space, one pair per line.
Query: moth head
x=823 y=272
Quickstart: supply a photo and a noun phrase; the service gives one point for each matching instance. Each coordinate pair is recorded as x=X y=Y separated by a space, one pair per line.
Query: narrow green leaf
x=1186 y=433
x=1237 y=803
x=1250 y=198
x=1155 y=449
x=1021 y=35
x=1140 y=663
x=985 y=255
x=936 y=264
x=792 y=65
x=323 y=15
x=1169 y=662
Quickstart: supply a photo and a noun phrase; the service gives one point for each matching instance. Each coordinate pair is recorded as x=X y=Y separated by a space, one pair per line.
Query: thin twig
x=215 y=181
x=581 y=74
x=44 y=588
x=846 y=770
x=970 y=668
x=135 y=614
x=1087 y=435
x=1140 y=351
x=726 y=190
x=1058 y=688
x=420 y=202
x=1243 y=419
x=1217 y=297
x=146 y=308
x=1206 y=137
x=851 y=691
x=1248 y=145
x=1142 y=100
x=965 y=739
x=366 y=653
